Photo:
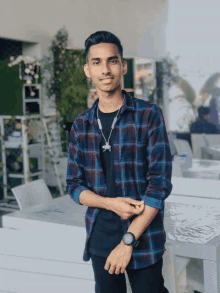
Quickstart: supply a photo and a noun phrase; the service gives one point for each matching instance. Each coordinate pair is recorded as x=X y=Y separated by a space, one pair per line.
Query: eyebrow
x=113 y=57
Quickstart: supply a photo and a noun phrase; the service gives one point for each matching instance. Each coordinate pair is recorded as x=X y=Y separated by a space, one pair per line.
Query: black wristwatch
x=129 y=239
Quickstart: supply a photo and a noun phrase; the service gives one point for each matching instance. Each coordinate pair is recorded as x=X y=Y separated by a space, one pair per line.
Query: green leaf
x=19 y=159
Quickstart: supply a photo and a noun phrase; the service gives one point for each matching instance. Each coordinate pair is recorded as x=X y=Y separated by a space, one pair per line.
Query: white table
x=196 y=187
x=205 y=272
x=209 y=169
x=43 y=245
x=213 y=151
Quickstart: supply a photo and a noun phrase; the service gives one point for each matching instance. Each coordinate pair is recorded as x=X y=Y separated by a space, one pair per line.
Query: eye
x=95 y=62
x=115 y=61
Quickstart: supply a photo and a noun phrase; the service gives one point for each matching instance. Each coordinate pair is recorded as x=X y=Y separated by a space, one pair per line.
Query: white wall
x=140 y=25
x=137 y=23
x=192 y=32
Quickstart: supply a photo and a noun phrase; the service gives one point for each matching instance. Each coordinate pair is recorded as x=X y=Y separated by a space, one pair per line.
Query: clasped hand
x=120 y=256
x=126 y=207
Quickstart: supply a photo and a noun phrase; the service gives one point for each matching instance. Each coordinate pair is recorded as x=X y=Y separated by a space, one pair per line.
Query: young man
x=119 y=165
x=202 y=124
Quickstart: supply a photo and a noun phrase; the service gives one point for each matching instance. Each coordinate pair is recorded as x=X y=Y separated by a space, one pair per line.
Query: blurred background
x=171 y=48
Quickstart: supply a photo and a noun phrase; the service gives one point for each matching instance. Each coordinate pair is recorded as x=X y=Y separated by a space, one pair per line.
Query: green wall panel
x=11 y=90
x=128 y=77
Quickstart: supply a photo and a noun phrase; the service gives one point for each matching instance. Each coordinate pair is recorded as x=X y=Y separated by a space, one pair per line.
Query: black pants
x=146 y=280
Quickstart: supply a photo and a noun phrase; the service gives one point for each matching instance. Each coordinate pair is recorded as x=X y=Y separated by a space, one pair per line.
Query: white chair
x=31 y=194
x=213 y=138
x=171 y=136
x=183 y=146
x=176 y=170
x=200 y=140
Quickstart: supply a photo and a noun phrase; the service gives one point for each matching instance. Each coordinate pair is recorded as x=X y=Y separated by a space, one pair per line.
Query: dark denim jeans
x=145 y=280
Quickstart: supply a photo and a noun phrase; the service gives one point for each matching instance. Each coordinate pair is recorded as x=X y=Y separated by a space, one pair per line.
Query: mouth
x=107 y=78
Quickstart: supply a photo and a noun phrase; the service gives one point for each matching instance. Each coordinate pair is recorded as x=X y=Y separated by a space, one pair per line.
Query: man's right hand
x=126 y=207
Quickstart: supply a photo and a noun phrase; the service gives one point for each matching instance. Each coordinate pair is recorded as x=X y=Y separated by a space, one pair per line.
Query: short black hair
x=102 y=37
x=203 y=111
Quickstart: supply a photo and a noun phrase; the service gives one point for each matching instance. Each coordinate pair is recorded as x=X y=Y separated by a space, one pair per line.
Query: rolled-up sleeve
x=159 y=160
x=75 y=175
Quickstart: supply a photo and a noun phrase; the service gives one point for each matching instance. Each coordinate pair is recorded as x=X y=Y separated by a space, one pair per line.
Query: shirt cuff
x=154 y=202
x=77 y=192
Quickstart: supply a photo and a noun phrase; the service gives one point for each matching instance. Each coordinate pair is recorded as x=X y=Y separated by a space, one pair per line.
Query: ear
x=86 y=70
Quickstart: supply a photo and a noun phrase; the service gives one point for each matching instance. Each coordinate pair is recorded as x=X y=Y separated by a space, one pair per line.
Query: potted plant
x=65 y=80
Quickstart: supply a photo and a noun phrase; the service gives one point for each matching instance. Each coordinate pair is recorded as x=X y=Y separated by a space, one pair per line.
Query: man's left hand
x=119 y=258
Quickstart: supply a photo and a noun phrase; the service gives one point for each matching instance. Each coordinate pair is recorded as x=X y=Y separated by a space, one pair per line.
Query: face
x=105 y=67
x=206 y=116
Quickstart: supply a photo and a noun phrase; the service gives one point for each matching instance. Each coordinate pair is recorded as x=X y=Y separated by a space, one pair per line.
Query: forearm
x=142 y=221
x=91 y=199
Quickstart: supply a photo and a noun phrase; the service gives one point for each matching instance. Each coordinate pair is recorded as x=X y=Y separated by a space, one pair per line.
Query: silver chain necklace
x=107 y=145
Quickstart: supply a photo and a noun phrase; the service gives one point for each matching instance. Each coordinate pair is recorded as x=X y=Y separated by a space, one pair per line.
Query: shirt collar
x=128 y=104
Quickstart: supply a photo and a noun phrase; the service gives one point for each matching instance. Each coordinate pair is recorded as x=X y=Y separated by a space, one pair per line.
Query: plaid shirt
x=142 y=164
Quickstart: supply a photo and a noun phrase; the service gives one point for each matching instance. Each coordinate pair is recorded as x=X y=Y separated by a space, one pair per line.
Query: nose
x=105 y=68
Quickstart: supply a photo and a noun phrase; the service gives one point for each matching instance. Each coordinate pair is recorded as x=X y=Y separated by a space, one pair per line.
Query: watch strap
x=135 y=243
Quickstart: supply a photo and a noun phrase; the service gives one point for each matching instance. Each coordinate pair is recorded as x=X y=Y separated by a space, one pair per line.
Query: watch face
x=128 y=238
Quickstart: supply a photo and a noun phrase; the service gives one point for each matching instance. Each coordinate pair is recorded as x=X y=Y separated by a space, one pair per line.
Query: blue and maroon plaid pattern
x=142 y=164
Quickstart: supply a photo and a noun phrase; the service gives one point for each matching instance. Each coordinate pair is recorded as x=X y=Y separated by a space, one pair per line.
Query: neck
x=109 y=103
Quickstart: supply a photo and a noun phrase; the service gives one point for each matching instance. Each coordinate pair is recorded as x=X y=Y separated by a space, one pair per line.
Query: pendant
x=106 y=147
